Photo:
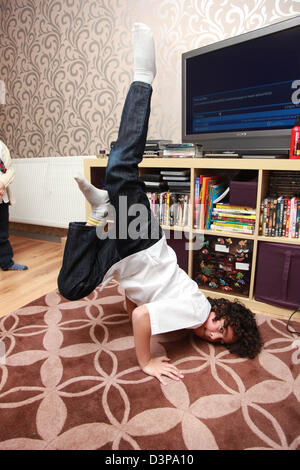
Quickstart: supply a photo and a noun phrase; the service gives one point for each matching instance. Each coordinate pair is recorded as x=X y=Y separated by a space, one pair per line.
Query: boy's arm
x=157 y=366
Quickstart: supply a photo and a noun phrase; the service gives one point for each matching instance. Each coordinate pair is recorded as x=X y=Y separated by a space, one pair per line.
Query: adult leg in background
x=6 y=252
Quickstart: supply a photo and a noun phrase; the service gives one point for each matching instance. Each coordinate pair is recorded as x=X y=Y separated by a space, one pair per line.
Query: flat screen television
x=243 y=94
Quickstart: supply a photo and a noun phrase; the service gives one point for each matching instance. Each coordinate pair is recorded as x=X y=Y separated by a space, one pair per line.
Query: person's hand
x=2 y=189
x=158 y=366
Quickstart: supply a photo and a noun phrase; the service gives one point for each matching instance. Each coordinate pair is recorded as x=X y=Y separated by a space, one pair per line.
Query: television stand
x=95 y=172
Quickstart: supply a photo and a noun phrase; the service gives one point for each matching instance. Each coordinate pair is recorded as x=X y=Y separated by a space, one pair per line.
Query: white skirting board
x=46 y=192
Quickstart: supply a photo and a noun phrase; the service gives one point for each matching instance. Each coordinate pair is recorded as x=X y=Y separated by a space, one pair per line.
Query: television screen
x=243 y=94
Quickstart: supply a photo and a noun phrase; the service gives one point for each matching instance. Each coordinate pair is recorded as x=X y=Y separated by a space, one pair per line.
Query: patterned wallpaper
x=67 y=65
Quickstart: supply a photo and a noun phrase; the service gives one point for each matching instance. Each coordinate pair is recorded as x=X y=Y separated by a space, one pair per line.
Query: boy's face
x=214 y=331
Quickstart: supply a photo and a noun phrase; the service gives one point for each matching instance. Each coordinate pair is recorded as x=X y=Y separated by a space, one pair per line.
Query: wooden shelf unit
x=263 y=167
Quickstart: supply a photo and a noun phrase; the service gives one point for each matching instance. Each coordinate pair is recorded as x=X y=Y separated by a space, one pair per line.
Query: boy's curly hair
x=242 y=321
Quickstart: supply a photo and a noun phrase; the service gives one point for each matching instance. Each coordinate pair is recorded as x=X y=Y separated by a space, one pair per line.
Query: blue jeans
x=87 y=257
x=6 y=251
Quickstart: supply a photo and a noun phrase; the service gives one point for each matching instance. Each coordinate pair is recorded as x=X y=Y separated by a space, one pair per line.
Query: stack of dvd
x=179 y=150
x=178 y=180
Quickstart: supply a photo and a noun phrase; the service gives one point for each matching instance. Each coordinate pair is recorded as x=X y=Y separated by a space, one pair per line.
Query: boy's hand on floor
x=158 y=366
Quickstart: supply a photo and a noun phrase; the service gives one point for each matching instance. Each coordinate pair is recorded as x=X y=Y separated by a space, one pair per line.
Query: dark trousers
x=6 y=251
x=88 y=257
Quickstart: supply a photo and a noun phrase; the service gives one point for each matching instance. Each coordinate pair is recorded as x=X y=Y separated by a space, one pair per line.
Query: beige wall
x=67 y=64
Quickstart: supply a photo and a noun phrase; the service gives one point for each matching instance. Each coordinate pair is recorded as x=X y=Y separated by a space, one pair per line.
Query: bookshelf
x=95 y=170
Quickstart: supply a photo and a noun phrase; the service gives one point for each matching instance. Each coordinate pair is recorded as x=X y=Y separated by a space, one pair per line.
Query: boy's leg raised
x=122 y=176
x=87 y=257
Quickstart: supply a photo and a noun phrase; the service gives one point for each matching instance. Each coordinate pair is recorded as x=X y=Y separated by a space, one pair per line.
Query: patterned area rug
x=69 y=380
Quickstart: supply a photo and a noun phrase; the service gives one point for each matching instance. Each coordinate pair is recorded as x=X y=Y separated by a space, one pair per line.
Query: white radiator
x=46 y=192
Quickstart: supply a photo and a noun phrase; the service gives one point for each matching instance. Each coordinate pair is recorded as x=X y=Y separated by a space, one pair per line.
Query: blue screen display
x=252 y=85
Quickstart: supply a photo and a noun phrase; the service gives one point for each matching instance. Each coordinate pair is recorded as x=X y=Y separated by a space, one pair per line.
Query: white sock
x=144 y=54
x=98 y=199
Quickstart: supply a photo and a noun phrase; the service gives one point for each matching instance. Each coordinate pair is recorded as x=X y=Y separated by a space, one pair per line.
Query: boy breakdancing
x=162 y=297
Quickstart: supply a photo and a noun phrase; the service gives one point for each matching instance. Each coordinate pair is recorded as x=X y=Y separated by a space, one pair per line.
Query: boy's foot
x=16 y=267
x=144 y=54
x=98 y=199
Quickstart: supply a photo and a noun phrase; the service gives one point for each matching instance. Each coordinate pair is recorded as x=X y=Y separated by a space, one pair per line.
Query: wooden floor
x=18 y=288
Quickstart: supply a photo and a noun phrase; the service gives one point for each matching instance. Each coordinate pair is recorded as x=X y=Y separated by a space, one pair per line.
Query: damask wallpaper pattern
x=67 y=65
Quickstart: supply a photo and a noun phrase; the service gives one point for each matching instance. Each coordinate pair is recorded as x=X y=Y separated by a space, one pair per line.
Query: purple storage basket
x=243 y=193
x=278 y=275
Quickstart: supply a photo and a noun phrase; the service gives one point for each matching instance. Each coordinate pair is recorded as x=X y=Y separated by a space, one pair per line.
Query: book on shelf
x=167 y=212
x=171 y=209
x=207 y=180
x=226 y=207
x=154 y=203
x=235 y=226
x=233 y=223
x=222 y=196
x=288 y=216
x=216 y=190
x=231 y=229
x=208 y=188
x=198 y=181
x=209 y=184
x=280 y=217
x=233 y=218
x=297 y=229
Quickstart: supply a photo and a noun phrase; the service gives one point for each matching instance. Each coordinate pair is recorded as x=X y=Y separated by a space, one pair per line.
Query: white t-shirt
x=153 y=278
